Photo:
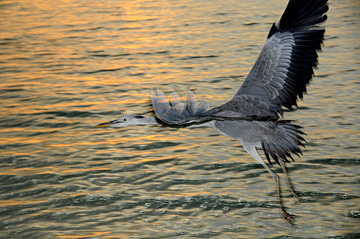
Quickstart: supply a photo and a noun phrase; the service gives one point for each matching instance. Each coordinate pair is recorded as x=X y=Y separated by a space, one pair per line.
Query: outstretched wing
x=285 y=65
x=278 y=78
x=176 y=113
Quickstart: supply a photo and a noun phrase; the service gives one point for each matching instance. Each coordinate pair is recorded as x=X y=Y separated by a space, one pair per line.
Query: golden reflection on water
x=154 y=160
x=93 y=234
x=14 y=202
x=49 y=170
x=100 y=57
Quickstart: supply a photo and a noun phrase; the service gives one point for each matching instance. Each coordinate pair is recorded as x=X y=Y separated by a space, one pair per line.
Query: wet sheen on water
x=66 y=66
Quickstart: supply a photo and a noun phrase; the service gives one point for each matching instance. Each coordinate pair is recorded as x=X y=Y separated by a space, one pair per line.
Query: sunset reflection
x=67 y=66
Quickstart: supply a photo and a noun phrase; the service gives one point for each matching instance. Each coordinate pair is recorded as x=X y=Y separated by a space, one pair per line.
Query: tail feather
x=286 y=141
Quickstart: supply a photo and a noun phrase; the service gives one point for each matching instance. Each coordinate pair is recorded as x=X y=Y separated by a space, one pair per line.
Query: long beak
x=103 y=124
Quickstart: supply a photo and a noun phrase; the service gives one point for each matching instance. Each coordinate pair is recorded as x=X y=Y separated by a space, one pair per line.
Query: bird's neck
x=147 y=121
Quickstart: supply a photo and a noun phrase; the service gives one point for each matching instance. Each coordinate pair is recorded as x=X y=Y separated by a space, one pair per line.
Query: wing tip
x=301 y=14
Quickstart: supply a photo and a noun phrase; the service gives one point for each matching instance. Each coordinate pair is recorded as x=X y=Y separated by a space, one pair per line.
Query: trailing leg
x=284 y=213
x=291 y=186
x=253 y=152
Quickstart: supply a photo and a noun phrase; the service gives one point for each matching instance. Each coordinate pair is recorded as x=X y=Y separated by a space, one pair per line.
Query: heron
x=254 y=115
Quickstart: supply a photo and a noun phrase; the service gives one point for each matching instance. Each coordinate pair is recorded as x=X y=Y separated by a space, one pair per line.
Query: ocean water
x=66 y=66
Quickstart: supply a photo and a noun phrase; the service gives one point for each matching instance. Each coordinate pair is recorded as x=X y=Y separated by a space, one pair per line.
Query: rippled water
x=66 y=66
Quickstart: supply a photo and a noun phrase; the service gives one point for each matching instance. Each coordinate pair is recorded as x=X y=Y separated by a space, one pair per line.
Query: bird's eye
x=125 y=119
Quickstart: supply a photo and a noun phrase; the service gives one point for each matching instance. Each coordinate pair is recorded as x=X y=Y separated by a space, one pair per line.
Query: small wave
x=250 y=23
x=68 y=114
x=335 y=161
x=197 y=57
x=156 y=145
x=17 y=145
x=104 y=70
x=11 y=123
x=56 y=125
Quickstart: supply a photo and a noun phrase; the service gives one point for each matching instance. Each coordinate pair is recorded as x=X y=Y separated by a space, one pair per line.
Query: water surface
x=66 y=66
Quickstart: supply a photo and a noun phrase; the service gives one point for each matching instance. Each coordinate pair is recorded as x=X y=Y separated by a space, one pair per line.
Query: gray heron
x=254 y=115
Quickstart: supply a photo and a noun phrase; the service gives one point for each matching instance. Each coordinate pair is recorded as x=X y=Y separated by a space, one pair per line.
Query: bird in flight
x=254 y=115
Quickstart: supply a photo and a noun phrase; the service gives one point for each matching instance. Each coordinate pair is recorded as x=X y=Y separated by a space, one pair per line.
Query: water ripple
x=67 y=68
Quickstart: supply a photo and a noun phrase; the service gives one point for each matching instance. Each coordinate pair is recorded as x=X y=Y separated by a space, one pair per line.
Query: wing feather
x=175 y=112
x=285 y=64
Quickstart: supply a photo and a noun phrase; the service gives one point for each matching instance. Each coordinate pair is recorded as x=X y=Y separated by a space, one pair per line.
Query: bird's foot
x=288 y=217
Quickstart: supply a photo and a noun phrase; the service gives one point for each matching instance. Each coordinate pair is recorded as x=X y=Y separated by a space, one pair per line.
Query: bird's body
x=277 y=79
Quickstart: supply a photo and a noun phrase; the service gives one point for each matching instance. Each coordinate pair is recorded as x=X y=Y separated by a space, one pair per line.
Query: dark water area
x=66 y=66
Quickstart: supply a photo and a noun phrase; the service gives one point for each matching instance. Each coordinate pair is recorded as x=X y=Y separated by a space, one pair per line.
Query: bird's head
x=133 y=119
